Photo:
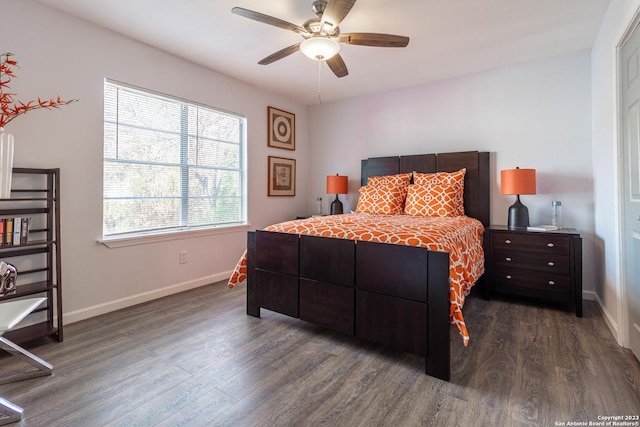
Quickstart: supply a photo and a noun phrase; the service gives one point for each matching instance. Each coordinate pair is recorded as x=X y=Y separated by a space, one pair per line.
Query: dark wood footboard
x=351 y=288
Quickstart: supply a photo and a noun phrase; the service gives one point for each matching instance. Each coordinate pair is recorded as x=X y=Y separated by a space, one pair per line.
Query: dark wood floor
x=196 y=359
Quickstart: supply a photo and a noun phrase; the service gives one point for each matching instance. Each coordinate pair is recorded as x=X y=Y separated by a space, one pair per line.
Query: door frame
x=623 y=304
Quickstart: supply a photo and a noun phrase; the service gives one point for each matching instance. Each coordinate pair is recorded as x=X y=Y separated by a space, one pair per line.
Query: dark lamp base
x=336 y=206
x=518 y=215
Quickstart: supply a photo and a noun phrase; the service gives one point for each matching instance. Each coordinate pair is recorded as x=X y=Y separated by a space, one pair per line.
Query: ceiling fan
x=322 y=35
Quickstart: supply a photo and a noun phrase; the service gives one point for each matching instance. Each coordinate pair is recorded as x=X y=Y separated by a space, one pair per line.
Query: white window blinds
x=169 y=164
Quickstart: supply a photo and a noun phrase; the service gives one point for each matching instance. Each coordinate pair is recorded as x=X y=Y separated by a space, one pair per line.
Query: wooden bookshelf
x=38 y=259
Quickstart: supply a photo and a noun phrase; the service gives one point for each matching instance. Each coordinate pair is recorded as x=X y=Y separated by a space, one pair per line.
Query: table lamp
x=517 y=182
x=337 y=184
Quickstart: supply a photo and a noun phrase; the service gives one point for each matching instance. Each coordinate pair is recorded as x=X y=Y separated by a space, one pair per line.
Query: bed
x=395 y=295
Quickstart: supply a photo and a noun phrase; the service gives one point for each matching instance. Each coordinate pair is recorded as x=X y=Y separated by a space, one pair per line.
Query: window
x=169 y=164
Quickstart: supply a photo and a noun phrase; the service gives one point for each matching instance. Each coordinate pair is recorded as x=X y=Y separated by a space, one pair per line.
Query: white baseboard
x=96 y=310
x=608 y=318
x=589 y=295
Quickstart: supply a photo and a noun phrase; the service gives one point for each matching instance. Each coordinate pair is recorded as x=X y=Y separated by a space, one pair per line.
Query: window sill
x=119 y=242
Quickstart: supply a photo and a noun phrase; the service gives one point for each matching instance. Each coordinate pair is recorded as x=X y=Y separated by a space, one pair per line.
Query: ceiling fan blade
x=336 y=11
x=270 y=20
x=374 y=39
x=337 y=65
x=280 y=54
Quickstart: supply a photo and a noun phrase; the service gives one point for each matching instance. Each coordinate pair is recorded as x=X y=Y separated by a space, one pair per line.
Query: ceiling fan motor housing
x=315 y=28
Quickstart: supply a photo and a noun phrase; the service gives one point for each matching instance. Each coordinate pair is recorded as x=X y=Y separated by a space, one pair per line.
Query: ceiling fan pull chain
x=319 y=80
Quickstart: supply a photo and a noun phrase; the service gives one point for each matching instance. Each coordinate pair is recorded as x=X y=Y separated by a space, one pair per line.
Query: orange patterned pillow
x=401 y=179
x=431 y=200
x=455 y=179
x=387 y=199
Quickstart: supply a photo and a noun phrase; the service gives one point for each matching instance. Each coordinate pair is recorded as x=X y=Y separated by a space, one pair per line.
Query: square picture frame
x=281 y=176
x=281 y=129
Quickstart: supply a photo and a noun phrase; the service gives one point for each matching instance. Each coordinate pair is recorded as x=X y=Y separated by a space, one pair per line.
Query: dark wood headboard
x=476 y=180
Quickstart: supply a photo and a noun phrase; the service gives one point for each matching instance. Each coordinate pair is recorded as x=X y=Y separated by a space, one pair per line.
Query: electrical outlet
x=184 y=257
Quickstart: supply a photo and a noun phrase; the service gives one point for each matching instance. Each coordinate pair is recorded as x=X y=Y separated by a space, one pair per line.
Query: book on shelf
x=24 y=230
x=17 y=228
x=542 y=228
x=14 y=231
x=8 y=231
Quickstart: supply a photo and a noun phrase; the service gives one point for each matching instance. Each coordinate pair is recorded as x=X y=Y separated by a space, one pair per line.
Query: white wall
x=59 y=55
x=605 y=158
x=535 y=115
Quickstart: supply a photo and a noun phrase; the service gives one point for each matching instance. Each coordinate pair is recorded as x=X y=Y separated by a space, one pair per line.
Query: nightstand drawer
x=551 y=262
x=532 y=242
x=547 y=282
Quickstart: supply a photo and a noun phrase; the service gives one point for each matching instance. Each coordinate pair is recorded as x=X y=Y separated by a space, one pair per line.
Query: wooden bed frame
x=393 y=295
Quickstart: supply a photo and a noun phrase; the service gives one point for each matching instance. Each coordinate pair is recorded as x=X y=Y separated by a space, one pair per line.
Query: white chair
x=11 y=313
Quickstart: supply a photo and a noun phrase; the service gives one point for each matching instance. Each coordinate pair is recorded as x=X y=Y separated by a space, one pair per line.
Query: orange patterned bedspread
x=460 y=236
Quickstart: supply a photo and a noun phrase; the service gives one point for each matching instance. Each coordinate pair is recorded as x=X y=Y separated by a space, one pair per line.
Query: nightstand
x=544 y=265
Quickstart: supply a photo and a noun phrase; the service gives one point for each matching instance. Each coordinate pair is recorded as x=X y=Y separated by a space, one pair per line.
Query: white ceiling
x=448 y=38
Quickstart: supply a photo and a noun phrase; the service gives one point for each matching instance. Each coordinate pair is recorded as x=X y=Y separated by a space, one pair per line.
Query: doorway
x=629 y=140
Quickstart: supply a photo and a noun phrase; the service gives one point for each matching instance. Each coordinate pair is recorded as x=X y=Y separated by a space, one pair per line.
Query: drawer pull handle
x=550 y=264
x=508 y=242
x=507 y=259
x=551 y=282
x=550 y=245
x=508 y=277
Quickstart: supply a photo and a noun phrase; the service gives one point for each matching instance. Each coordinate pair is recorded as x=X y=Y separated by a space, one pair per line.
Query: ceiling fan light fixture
x=319 y=48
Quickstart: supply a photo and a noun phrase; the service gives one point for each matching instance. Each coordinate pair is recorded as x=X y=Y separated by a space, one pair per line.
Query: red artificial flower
x=9 y=109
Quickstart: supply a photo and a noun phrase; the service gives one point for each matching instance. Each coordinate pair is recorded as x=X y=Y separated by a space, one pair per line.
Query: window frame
x=179 y=232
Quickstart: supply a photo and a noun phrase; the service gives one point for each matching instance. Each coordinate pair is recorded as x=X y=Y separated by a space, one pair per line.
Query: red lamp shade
x=518 y=181
x=337 y=184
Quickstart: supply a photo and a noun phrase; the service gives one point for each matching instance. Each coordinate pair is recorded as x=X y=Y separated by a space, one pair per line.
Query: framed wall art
x=282 y=129
x=282 y=176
